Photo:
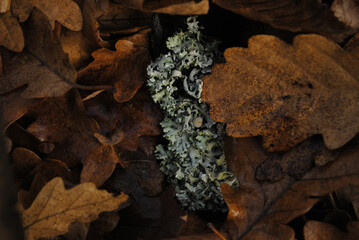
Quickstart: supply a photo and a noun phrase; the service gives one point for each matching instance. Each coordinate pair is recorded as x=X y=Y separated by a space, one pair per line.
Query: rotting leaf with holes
x=285 y=92
x=56 y=208
x=124 y=68
x=299 y=16
x=259 y=209
x=42 y=66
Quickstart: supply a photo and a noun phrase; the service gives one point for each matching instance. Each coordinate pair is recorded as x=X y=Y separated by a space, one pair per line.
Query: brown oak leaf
x=42 y=66
x=259 y=209
x=138 y=117
x=125 y=68
x=347 y=11
x=56 y=208
x=183 y=7
x=5 y=6
x=66 y=12
x=314 y=230
x=11 y=35
x=297 y=16
x=286 y=93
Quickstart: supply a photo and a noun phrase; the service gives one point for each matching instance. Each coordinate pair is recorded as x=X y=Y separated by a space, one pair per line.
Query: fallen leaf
x=353 y=45
x=347 y=11
x=42 y=66
x=183 y=7
x=206 y=236
x=38 y=178
x=24 y=161
x=259 y=209
x=55 y=208
x=11 y=35
x=286 y=93
x=105 y=223
x=314 y=230
x=297 y=16
x=125 y=68
x=99 y=164
x=138 y=117
x=5 y=6
x=66 y=12
x=64 y=122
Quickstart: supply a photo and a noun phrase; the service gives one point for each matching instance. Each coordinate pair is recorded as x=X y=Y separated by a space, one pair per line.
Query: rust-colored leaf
x=298 y=16
x=286 y=93
x=183 y=7
x=42 y=66
x=66 y=12
x=99 y=164
x=125 y=68
x=259 y=209
x=56 y=208
x=11 y=35
x=314 y=230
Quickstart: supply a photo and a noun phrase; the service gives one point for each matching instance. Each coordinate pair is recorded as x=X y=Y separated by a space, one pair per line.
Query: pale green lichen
x=193 y=159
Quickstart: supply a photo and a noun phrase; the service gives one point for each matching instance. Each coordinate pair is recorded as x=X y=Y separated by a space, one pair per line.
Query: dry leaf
x=314 y=230
x=347 y=11
x=55 y=208
x=63 y=121
x=353 y=45
x=125 y=68
x=138 y=117
x=286 y=93
x=260 y=209
x=99 y=164
x=66 y=12
x=297 y=16
x=183 y=7
x=11 y=35
x=5 y=6
x=24 y=161
x=42 y=66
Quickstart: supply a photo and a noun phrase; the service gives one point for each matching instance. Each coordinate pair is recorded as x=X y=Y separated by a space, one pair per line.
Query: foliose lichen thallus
x=193 y=158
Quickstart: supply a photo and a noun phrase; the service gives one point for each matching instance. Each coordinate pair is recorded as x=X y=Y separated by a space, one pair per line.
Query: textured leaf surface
x=183 y=7
x=55 y=208
x=42 y=66
x=11 y=35
x=286 y=93
x=304 y=16
x=124 y=68
x=259 y=209
x=314 y=230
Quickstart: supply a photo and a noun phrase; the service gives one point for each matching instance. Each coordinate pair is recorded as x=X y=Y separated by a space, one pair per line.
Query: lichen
x=193 y=159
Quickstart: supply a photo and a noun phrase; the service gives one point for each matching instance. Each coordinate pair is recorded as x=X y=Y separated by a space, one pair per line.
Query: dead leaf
x=38 y=178
x=286 y=93
x=206 y=236
x=66 y=12
x=260 y=209
x=125 y=68
x=64 y=122
x=5 y=6
x=347 y=11
x=138 y=117
x=42 y=66
x=11 y=35
x=55 y=208
x=99 y=164
x=24 y=161
x=183 y=7
x=353 y=45
x=105 y=223
x=314 y=230
x=297 y=16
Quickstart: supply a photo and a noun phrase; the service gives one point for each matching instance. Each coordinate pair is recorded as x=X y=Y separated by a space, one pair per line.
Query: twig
x=210 y=225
